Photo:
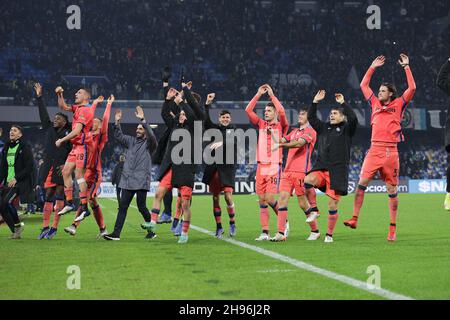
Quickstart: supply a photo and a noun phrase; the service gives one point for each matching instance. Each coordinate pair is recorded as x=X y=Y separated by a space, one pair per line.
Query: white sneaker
x=71 y=230
x=286 y=231
x=312 y=217
x=328 y=239
x=263 y=237
x=314 y=236
x=278 y=238
x=65 y=210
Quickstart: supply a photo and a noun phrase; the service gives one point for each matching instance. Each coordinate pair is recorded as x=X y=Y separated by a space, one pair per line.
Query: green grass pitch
x=417 y=265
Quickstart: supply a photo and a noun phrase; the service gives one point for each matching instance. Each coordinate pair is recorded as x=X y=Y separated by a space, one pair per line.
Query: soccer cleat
x=68 y=208
x=51 y=233
x=392 y=236
x=178 y=229
x=313 y=236
x=151 y=235
x=352 y=223
x=183 y=239
x=111 y=237
x=328 y=239
x=165 y=218
x=447 y=202
x=102 y=232
x=286 y=230
x=43 y=233
x=174 y=225
x=146 y=226
x=263 y=237
x=232 y=230
x=84 y=214
x=219 y=233
x=72 y=230
x=312 y=217
x=18 y=231
x=278 y=238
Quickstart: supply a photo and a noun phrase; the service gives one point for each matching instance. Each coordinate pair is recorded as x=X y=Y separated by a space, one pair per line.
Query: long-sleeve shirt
x=386 y=118
x=264 y=153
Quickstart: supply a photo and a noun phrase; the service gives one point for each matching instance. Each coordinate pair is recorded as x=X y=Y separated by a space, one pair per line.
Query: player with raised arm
x=220 y=177
x=83 y=117
x=330 y=172
x=54 y=159
x=300 y=143
x=269 y=163
x=93 y=175
x=387 y=113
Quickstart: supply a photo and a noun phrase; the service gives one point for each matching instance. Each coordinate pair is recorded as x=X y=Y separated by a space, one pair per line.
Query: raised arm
x=317 y=124
x=253 y=117
x=105 y=121
x=43 y=113
x=118 y=134
x=352 y=119
x=61 y=102
x=199 y=115
x=409 y=93
x=443 y=80
x=208 y=122
x=280 y=109
x=150 y=136
x=365 y=83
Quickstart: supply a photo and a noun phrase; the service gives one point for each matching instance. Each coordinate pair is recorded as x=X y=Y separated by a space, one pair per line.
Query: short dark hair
x=87 y=91
x=271 y=105
x=303 y=109
x=391 y=88
x=17 y=127
x=62 y=115
x=224 y=112
x=339 y=109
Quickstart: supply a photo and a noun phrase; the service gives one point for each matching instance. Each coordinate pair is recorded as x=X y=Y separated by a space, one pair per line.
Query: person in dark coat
x=443 y=82
x=330 y=172
x=220 y=177
x=136 y=172
x=117 y=173
x=179 y=172
x=54 y=160
x=16 y=177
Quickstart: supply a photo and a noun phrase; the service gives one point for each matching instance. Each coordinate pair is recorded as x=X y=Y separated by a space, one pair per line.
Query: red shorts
x=48 y=181
x=323 y=181
x=293 y=180
x=216 y=187
x=267 y=178
x=79 y=156
x=93 y=181
x=383 y=159
x=166 y=182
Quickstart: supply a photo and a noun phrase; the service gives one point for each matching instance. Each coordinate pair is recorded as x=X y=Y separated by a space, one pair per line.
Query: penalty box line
x=306 y=266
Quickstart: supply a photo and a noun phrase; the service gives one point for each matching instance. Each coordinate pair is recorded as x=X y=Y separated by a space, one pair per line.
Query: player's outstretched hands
x=38 y=89
x=404 y=60
x=111 y=99
x=139 y=113
x=378 y=62
x=216 y=145
x=59 y=90
x=178 y=97
x=262 y=90
x=118 y=115
x=339 y=98
x=269 y=90
x=58 y=143
x=100 y=99
x=319 y=96
x=210 y=98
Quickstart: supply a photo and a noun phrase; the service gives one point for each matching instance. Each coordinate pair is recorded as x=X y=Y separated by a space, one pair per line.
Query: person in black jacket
x=117 y=172
x=179 y=172
x=330 y=172
x=16 y=177
x=54 y=160
x=443 y=82
x=220 y=177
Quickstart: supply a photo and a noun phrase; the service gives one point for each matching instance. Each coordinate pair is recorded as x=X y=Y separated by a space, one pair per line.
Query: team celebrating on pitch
x=77 y=151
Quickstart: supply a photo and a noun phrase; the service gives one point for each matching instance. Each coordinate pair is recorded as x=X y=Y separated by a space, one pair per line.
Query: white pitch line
x=308 y=267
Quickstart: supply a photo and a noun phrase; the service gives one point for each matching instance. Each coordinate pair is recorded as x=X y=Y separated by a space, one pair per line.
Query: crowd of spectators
x=228 y=46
